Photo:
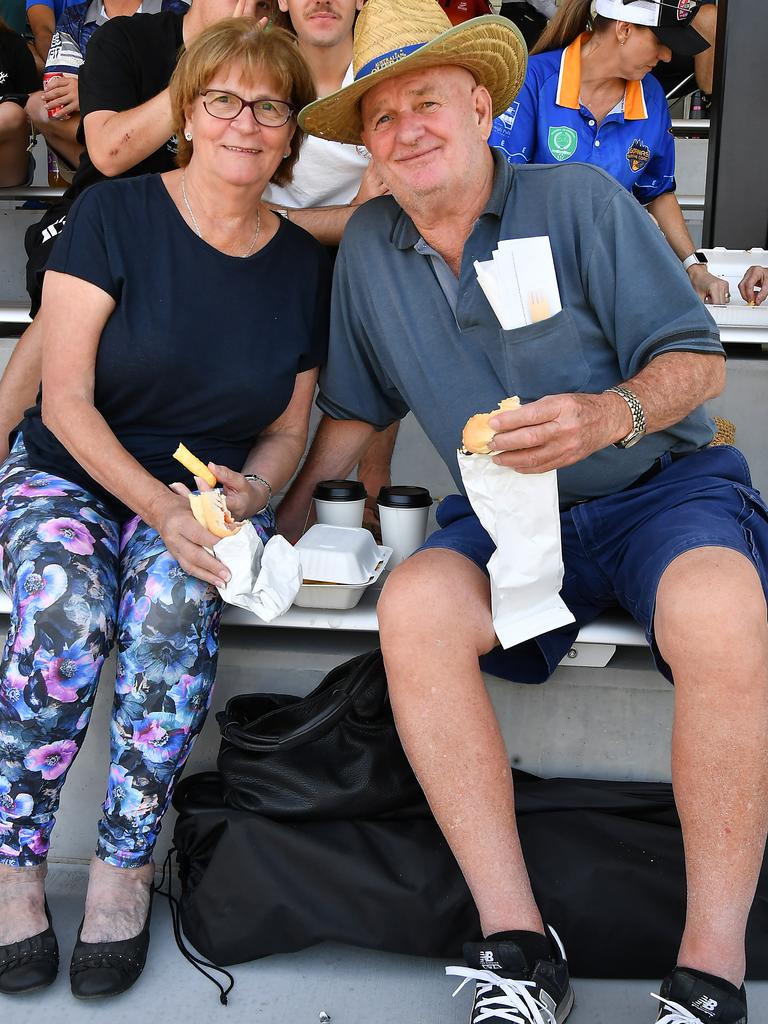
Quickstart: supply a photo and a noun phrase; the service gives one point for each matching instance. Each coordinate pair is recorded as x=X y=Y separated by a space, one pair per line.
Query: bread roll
x=477 y=435
x=210 y=510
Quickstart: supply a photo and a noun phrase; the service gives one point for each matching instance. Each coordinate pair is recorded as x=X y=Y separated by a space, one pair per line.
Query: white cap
x=669 y=19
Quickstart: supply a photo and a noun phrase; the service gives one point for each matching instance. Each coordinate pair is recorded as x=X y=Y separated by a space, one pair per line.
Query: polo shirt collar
x=569 y=84
x=405 y=234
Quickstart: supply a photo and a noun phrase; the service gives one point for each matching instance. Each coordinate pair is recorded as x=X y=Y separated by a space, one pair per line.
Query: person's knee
x=12 y=120
x=437 y=594
x=710 y=608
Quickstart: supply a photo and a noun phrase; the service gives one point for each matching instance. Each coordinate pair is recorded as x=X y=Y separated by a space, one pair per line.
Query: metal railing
x=30 y=192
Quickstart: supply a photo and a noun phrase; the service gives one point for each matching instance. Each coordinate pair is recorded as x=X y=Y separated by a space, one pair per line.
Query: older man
x=652 y=519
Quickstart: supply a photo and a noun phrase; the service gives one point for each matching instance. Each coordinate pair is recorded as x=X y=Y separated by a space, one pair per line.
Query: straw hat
x=394 y=37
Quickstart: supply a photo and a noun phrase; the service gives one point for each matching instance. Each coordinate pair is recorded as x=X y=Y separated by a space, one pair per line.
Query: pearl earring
x=188 y=135
x=286 y=155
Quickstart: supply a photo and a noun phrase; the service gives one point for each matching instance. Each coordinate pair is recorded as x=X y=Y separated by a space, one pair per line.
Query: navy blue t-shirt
x=201 y=348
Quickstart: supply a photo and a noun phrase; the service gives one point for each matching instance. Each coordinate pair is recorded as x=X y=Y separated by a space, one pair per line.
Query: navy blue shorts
x=616 y=548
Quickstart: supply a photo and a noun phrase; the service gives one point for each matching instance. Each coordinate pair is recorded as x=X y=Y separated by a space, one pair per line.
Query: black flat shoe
x=30 y=964
x=99 y=969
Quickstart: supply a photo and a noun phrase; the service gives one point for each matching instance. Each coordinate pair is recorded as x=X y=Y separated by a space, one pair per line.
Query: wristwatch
x=638 y=416
x=693 y=259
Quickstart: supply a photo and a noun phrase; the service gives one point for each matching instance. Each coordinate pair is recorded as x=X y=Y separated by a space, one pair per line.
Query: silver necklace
x=196 y=226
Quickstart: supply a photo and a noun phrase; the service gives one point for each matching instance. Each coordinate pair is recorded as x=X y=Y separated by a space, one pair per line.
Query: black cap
x=340 y=490
x=404 y=497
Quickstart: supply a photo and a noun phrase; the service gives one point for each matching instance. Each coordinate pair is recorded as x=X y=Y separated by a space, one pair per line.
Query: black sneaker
x=512 y=988
x=689 y=998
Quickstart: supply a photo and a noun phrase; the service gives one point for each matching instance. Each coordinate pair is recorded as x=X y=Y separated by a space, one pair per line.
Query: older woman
x=589 y=97
x=177 y=308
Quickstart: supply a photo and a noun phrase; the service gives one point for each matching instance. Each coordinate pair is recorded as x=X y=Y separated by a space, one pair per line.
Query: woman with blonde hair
x=178 y=308
x=589 y=97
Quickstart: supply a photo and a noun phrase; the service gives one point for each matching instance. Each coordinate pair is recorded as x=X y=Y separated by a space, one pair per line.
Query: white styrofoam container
x=336 y=595
x=339 y=554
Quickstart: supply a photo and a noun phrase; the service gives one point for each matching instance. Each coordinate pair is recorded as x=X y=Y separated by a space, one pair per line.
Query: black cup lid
x=404 y=497
x=340 y=490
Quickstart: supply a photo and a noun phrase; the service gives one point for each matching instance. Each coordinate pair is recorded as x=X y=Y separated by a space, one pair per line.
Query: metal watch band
x=638 y=416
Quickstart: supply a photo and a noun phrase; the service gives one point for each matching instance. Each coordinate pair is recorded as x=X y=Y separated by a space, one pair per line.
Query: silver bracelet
x=255 y=478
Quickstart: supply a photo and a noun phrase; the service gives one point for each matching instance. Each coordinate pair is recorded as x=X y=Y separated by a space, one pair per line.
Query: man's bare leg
x=711 y=629
x=14 y=137
x=434 y=621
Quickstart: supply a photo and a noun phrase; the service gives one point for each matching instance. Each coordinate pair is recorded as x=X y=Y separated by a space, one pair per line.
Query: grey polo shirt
x=398 y=342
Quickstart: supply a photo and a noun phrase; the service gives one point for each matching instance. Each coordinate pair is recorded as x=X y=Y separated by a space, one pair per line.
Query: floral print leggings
x=79 y=581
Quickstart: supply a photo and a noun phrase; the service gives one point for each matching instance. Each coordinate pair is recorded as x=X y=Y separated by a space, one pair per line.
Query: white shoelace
x=675 y=1013
x=517 y=1004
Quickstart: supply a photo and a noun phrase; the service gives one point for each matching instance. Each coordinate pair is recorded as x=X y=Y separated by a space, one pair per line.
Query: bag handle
x=312 y=729
x=319 y=720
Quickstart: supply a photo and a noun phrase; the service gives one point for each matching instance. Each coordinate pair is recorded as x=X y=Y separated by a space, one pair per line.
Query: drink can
x=54 y=112
x=64 y=61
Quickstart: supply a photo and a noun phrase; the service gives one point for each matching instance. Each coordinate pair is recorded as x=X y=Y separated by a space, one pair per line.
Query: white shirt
x=326 y=173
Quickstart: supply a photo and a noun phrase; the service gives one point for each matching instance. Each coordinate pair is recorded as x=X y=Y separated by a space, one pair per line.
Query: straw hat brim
x=490 y=47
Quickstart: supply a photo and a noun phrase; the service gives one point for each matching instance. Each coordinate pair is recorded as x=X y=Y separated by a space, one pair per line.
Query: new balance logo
x=488 y=961
x=707 y=1005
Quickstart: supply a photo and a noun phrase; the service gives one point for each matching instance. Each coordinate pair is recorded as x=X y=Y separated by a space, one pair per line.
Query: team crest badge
x=562 y=143
x=638 y=155
x=684 y=9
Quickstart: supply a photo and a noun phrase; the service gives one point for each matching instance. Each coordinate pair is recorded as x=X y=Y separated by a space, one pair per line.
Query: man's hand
x=249 y=9
x=371 y=186
x=62 y=92
x=558 y=430
x=712 y=290
x=754 y=285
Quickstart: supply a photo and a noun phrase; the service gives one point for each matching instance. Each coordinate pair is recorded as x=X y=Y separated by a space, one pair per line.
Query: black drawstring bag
x=334 y=754
x=605 y=861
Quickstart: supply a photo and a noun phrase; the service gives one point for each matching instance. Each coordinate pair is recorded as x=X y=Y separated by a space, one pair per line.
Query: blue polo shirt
x=406 y=334
x=547 y=124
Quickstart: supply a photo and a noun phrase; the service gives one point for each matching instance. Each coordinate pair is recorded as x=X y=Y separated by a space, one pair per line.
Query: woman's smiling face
x=240 y=151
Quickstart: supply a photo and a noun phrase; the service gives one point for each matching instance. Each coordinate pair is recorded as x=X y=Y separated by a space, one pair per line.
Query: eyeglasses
x=226 y=106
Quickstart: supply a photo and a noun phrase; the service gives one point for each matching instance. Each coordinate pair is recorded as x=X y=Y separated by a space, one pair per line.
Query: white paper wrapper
x=265 y=578
x=520 y=512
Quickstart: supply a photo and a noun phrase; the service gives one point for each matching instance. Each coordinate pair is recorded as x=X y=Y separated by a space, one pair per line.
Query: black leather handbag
x=334 y=754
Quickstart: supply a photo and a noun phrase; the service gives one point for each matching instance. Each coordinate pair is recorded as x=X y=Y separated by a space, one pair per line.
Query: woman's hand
x=754 y=285
x=244 y=497
x=187 y=540
x=712 y=290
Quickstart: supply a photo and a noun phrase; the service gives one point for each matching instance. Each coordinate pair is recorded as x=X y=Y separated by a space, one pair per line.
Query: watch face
x=701 y=257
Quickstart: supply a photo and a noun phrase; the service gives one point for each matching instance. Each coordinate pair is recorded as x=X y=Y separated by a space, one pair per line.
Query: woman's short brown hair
x=272 y=52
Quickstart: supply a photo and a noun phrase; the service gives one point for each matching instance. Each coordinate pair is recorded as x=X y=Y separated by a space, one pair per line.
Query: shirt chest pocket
x=546 y=358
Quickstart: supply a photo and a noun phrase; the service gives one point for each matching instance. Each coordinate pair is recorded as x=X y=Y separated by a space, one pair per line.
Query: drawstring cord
x=198 y=964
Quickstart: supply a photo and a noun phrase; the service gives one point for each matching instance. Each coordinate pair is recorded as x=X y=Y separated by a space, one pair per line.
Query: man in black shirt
x=127 y=129
x=18 y=77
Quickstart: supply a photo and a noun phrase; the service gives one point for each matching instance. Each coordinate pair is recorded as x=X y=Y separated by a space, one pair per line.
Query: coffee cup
x=403 y=513
x=340 y=502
